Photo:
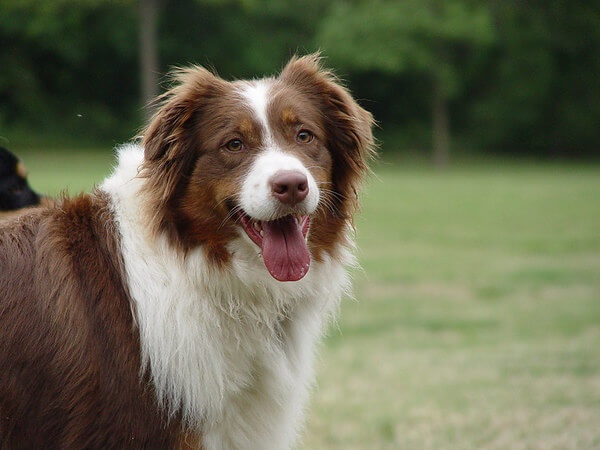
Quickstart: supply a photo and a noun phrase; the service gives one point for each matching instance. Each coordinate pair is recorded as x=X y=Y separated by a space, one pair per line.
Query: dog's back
x=70 y=364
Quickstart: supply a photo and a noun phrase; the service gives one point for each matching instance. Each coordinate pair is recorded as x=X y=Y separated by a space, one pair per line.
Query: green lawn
x=477 y=320
x=476 y=323
x=53 y=172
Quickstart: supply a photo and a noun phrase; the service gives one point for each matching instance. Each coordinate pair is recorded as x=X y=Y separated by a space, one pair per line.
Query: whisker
x=232 y=214
x=327 y=200
x=315 y=167
x=324 y=183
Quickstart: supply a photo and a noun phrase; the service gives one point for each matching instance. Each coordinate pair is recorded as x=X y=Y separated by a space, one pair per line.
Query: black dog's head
x=15 y=192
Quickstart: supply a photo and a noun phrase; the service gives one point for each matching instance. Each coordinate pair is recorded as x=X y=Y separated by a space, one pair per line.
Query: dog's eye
x=304 y=137
x=235 y=145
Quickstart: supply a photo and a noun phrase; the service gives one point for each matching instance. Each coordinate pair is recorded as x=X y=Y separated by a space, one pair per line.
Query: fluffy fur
x=161 y=311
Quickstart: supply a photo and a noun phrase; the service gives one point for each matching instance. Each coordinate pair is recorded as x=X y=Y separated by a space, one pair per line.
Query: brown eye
x=304 y=137
x=235 y=145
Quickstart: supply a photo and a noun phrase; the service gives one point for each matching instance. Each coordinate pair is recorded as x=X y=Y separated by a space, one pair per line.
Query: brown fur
x=44 y=201
x=70 y=352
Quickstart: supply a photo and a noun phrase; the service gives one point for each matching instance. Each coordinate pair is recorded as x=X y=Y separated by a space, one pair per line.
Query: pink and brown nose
x=289 y=186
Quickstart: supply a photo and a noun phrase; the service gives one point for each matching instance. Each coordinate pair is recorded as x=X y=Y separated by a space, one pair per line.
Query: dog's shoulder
x=65 y=315
x=46 y=252
x=69 y=227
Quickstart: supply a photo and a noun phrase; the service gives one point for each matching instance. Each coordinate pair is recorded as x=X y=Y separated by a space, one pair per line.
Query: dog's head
x=278 y=161
x=15 y=192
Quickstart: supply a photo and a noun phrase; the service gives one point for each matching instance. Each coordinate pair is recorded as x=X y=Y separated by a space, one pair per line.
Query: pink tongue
x=284 y=249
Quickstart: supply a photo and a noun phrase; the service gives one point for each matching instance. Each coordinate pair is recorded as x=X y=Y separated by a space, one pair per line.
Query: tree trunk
x=149 y=68
x=440 y=125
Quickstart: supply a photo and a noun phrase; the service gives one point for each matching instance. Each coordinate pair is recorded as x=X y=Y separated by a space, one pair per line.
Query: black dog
x=15 y=192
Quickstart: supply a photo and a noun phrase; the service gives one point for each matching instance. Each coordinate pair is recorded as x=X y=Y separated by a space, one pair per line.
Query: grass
x=56 y=171
x=476 y=323
x=477 y=320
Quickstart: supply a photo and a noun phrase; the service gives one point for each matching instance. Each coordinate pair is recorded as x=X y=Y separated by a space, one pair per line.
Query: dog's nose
x=289 y=186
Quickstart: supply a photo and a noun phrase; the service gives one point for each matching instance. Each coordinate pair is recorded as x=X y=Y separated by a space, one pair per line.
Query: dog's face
x=277 y=161
x=15 y=192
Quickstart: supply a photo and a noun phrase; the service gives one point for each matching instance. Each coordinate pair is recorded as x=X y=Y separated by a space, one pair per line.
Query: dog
x=179 y=304
x=15 y=192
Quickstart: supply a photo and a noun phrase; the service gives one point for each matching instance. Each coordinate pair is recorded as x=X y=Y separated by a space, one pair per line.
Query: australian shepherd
x=179 y=304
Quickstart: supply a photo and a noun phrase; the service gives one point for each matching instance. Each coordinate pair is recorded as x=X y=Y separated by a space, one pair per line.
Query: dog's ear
x=171 y=128
x=171 y=145
x=348 y=125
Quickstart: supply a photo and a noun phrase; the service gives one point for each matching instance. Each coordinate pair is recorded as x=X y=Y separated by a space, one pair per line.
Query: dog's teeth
x=262 y=233
x=256 y=226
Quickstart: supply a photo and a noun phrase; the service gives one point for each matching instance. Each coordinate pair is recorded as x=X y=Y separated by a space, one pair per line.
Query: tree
x=431 y=38
x=510 y=76
x=149 y=65
x=542 y=93
x=66 y=67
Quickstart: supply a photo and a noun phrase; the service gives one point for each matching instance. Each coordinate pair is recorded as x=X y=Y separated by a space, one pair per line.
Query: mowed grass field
x=476 y=322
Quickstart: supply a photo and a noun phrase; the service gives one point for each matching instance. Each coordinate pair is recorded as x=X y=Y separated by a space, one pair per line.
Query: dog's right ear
x=170 y=143
x=171 y=129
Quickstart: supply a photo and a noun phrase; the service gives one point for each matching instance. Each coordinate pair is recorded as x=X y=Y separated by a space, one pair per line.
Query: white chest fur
x=231 y=349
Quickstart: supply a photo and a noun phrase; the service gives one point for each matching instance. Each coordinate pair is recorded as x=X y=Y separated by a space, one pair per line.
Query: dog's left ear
x=170 y=141
x=349 y=127
x=171 y=128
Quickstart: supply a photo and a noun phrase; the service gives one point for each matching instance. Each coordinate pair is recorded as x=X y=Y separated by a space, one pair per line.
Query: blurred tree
x=430 y=38
x=149 y=64
x=242 y=38
x=66 y=66
x=507 y=75
x=539 y=92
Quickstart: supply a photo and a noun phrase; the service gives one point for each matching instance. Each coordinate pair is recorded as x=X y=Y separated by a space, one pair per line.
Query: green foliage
x=521 y=76
x=412 y=36
x=62 y=65
x=514 y=76
x=540 y=91
x=239 y=39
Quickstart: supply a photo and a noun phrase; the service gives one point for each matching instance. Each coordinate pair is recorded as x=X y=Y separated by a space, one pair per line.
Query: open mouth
x=283 y=244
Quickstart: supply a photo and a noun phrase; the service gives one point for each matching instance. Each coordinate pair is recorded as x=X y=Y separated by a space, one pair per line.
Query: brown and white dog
x=179 y=304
